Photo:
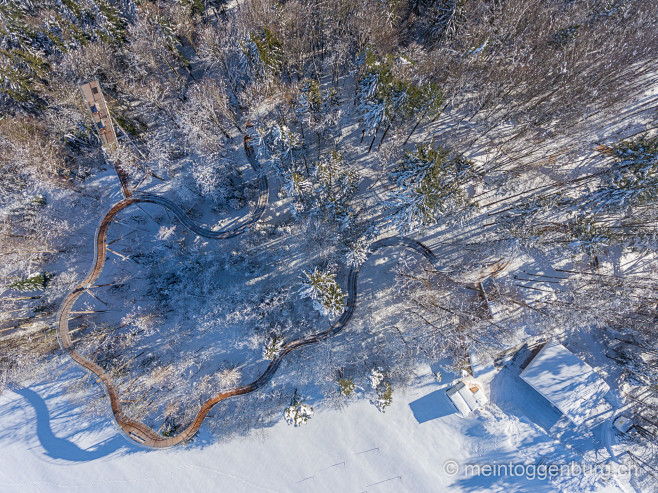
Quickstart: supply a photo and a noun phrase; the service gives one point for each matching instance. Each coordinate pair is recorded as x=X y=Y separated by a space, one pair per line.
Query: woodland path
x=140 y=432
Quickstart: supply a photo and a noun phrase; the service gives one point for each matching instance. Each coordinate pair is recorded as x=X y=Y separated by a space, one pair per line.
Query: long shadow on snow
x=61 y=448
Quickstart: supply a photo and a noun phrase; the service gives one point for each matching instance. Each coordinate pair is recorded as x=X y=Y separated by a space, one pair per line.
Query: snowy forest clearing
x=512 y=144
x=48 y=445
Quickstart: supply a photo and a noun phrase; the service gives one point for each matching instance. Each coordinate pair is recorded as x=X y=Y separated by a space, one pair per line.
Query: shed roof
x=464 y=399
x=565 y=381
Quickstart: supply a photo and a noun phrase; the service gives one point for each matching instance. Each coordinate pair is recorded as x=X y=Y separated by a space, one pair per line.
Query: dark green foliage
x=386 y=94
x=270 y=49
x=133 y=127
x=197 y=7
x=634 y=177
x=34 y=282
x=430 y=185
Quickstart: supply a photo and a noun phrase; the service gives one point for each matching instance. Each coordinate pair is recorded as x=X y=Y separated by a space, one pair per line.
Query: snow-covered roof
x=464 y=399
x=565 y=381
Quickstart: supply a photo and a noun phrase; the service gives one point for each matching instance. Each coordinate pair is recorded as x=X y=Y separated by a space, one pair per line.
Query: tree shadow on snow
x=61 y=448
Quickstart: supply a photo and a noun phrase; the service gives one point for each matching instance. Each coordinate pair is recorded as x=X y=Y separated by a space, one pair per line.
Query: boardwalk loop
x=140 y=432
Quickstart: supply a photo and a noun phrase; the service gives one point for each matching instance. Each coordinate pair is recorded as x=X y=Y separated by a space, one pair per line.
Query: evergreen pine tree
x=325 y=292
x=429 y=186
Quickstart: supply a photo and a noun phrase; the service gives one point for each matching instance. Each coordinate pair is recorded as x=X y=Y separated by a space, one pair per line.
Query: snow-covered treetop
x=429 y=185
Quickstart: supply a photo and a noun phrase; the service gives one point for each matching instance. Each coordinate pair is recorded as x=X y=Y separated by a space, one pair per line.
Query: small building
x=566 y=381
x=623 y=424
x=466 y=398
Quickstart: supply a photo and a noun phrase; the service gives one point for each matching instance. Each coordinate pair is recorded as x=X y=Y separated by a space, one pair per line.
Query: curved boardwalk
x=141 y=433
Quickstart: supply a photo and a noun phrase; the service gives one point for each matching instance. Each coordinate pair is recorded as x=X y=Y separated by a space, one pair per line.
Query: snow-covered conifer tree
x=273 y=346
x=322 y=288
x=357 y=253
x=298 y=413
x=430 y=186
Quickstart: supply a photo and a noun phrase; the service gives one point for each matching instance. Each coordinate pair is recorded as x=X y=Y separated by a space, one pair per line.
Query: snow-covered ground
x=419 y=445
x=49 y=443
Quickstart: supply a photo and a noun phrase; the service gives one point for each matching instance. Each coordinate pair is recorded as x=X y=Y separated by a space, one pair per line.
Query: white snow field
x=419 y=445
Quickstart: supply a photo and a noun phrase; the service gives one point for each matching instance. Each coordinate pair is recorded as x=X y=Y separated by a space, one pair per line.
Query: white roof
x=622 y=423
x=565 y=381
x=464 y=399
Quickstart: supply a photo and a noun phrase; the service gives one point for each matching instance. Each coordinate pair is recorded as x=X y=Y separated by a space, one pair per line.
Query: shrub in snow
x=295 y=185
x=210 y=177
x=166 y=232
x=279 y=146
x=273 y=347
x=325 y=292
x=383 y=390
x=346 y=386
x=376 y=377
x=297 y=413
x=357 y=253
x=384 y=397
x=583 y=233
x=145 y=321
x=588 y=235
x=635 y=176
x=169 y=427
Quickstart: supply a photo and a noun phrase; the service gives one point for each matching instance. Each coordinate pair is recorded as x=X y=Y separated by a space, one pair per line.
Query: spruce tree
x=322 y=288
x=429 y=186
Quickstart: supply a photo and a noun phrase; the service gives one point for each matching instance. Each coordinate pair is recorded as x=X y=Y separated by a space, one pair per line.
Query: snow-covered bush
x=145 y=321
x=279 y=146
x=588 y=235
x=210 y=176
x=383 y=390
x=346 y=387
x=297 y=413
x=634 y=180
x=325 y=292
x=357 y=253
x=376 y=377
x=384 y=397
x=165 y=233
x=273 y=346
